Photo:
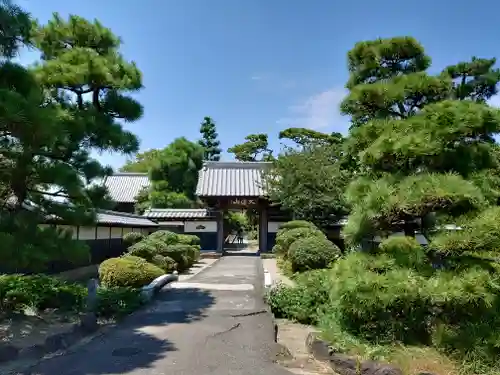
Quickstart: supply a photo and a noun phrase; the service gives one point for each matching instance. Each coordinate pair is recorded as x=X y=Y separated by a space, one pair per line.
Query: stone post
x=88 y=321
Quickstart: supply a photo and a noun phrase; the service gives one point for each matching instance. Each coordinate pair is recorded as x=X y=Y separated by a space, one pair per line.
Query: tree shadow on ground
x=136 y=343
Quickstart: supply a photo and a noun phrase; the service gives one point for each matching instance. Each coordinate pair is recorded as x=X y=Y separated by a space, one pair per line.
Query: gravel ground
x=191 y=331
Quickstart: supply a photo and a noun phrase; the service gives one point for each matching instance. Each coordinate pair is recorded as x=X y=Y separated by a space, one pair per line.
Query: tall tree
x=70 y=104
x=209 y=140
x=255 y=148
x=420 y=140
x=15 y=30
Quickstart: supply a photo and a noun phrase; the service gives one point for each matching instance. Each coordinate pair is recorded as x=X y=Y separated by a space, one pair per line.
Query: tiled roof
x=171 y=213
x=231 y=179
x=124 y=187
x=121 y=218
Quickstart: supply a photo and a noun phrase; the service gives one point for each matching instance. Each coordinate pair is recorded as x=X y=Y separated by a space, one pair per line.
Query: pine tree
x=209 y=140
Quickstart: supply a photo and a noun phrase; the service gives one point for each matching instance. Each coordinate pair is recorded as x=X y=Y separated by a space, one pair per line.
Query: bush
x=132 y=238
x=143 y=249
x=166 y=263
x=375 y=299
x=117 y=302
x=128 y=271
x=188 y=239
x=184 y=255
x=297 y=224
x=303 y=303
x=406 y=251
x=286 y=238
x=310 y=253
x=40 y=292
x=164 y=236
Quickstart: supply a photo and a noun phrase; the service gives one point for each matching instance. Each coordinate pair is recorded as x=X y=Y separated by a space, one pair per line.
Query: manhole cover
x=125 y=352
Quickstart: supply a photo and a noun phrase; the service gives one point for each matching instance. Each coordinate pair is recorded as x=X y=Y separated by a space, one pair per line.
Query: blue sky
x=264 y=65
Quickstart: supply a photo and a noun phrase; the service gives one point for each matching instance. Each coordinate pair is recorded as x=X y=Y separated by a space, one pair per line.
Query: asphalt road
x=215 y=323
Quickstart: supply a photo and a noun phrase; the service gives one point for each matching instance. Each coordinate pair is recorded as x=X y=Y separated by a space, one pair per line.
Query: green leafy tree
x=15 y=30
x=209 y=140
x=174 y=175
x=255 y=148
x=143 y=162
x=310 y=183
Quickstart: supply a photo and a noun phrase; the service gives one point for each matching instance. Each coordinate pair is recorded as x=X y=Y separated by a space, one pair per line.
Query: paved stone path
x=194 y=328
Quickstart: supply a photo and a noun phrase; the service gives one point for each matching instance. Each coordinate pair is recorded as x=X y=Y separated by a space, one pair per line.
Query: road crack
x=232 y=328
x=253 y=313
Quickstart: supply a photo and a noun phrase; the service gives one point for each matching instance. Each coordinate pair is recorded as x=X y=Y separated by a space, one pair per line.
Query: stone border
x=345 y=364
x=88 y=325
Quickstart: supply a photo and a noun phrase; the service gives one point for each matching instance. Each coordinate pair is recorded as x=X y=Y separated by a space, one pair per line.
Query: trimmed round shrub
x=166 y=263
x=298 y=224
x=164 y=236
x=311 y=253
x=143 y=249
x=188 y=239
x=406 y=251
x=184 y=255
x=132 y=238
x=285 y=239
x=128 y=271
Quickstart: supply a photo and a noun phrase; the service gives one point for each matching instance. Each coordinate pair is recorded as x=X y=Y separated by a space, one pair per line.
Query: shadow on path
x=136 y=343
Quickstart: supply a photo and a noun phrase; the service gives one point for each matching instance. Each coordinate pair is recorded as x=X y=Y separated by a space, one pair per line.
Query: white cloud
x=256 y=77
x=319 y=112
x=494 y=101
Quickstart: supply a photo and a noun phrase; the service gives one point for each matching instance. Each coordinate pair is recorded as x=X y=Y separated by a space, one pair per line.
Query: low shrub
x=184 y=255
x=406 y=251
x=166 y=263
x=132 y=238
x=297 y=224
x=143 y=249
x=40 y=292
x=128 y=271
x=188 y=239
x=116 y=302
x=286 y=238
x=164 y=236
x=312 y=252
x=303 y=303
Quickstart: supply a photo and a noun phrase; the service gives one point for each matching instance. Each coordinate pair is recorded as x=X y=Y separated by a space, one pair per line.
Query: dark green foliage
x=311 y=253
x=209 y=141
x=33 y=249
x=255 y=148
x=303 y=303
x=132 y=238
x=128 y=271
x=308 y=137
x=40 y=292
x=16 y=28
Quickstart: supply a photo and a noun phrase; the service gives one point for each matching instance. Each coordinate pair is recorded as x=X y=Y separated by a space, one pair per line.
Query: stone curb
x=62 y=341
x=344 y=364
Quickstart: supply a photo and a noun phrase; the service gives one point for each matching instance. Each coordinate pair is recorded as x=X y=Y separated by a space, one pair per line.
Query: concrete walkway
x=194 y=328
